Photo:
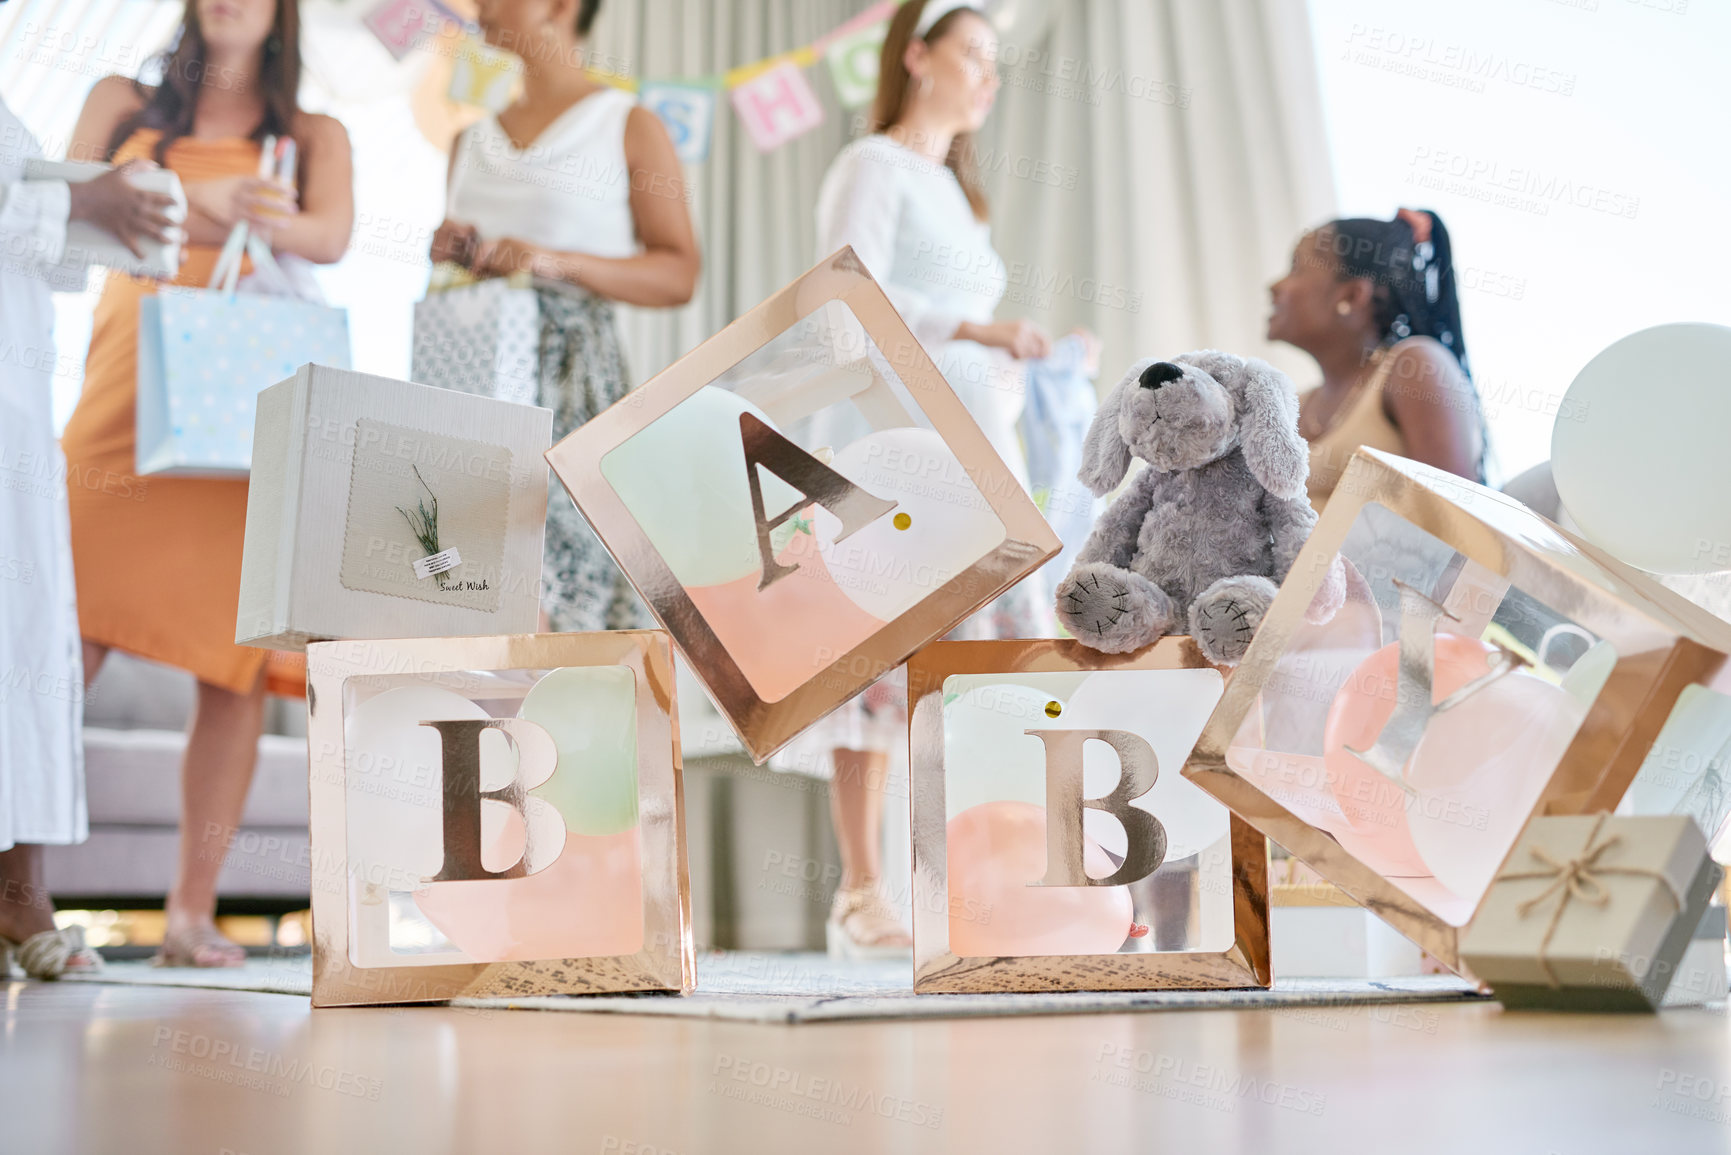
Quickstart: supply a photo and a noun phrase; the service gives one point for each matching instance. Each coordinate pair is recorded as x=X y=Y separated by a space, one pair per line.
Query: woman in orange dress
x=158 y=559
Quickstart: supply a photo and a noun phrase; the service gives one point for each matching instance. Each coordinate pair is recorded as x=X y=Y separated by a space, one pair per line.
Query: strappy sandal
x=863 y=926
x=50 y=954
x=203 y=947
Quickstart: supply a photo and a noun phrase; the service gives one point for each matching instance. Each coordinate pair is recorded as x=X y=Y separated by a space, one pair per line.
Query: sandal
x=50 y=954
x=862 y=925
x=203 y=946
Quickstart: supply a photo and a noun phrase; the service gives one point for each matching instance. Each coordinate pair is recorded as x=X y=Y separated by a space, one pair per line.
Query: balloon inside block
x=803 y=501
x=496 y=816
x=1056 y=845
x=1488 y=667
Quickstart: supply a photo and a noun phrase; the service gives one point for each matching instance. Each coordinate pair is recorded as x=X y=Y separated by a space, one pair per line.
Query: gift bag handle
x=225 y=274
x=1560 y=630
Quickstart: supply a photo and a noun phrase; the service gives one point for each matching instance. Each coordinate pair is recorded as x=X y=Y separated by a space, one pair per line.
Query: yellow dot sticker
x=1053 y=709
x=903 y=521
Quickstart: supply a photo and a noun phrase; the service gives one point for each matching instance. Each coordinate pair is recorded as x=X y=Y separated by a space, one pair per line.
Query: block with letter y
x=1488 y=668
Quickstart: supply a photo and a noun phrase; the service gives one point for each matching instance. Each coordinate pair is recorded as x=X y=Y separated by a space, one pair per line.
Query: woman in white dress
x=908 y=199
x=576 y=184
x=41 y=674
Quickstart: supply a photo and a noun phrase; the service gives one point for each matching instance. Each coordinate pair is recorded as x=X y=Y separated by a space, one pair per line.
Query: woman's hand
x=1090 y=350
x=1021 y=339
x=509 y=255
x=262 y=204
x=454 y=241
x=120 y=208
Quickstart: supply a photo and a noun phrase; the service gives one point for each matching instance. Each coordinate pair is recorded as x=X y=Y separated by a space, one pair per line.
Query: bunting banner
x=483 y=76
x=401 y=25
x=688 y=111
x=776 y=106
x=772 y=97
x=853 y=64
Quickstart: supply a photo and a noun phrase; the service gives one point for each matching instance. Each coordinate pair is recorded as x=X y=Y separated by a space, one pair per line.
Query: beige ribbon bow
x=1577 y=877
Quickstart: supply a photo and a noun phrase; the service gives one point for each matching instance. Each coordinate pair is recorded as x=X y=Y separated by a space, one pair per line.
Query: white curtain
x=1190 y=134
x=1150 y=164
x=753 y=211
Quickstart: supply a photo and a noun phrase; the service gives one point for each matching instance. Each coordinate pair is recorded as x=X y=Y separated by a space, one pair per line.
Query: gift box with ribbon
x=1592 y=912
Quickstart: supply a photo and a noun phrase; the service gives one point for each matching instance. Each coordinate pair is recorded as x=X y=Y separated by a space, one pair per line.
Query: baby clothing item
x=1060 y=406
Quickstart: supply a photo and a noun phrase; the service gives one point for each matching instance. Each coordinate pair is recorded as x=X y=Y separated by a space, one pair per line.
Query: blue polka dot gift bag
x=204 y=355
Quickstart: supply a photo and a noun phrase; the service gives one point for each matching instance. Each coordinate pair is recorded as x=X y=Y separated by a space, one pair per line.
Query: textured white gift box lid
x=87 y=244
x=294 y=585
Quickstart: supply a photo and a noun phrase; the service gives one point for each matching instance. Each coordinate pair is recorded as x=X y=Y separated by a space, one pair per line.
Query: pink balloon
x=1479 y=772
x=587 y=904
x=995 y=850
x=776 y=635
x=1373 y=807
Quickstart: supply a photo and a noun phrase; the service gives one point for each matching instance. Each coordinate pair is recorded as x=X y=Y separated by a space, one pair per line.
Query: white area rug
x=808 y=988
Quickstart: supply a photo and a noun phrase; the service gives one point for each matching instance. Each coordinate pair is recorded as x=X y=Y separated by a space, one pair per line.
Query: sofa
x=763 y=861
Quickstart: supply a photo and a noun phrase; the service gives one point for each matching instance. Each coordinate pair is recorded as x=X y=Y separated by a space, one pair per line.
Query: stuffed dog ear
x=1105 y=455
x=1277 y=455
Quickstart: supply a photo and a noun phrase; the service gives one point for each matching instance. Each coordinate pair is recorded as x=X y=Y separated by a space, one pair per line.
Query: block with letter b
x=1056 y=844
x=803 y=501
x=496 y=816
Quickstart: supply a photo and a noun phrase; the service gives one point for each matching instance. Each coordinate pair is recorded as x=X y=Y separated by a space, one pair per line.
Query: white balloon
x=683 y=479
x=941 y=524
x=1167 y=708
x=987 y=758
x=393 y=780
x=1638 y=449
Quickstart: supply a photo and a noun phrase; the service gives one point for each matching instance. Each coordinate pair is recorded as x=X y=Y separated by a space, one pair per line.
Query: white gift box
x=351 y=472
x=1702 y=976
x=1339 y=942
x=88 y=245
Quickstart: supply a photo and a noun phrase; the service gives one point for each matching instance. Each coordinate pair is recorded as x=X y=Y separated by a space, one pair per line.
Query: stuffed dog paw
x=1203 y=537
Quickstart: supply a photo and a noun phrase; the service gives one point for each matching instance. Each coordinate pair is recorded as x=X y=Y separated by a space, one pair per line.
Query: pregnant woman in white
x=908 y=199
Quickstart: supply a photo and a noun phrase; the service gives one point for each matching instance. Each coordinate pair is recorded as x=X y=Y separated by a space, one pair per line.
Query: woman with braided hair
x=1374 y=302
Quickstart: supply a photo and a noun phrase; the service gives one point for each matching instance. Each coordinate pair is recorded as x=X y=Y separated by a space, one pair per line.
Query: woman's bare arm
x=665 y=272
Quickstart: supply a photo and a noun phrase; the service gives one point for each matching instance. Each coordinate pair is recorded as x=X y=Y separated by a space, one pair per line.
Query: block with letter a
x=803 y=501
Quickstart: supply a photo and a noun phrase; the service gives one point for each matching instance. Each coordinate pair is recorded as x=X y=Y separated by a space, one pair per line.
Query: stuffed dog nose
x=1159 y=373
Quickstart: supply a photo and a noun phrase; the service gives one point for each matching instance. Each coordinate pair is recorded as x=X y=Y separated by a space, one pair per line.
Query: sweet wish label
x=437 y=563
x=427 y=516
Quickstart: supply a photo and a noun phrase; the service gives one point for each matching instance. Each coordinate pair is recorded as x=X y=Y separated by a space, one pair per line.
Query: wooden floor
x=100 y=1069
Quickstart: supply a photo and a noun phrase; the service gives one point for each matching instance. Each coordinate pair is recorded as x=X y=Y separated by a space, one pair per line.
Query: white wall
x=1576 y=150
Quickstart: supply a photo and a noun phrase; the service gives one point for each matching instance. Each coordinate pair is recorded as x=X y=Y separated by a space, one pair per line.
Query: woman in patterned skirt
x=578 y=186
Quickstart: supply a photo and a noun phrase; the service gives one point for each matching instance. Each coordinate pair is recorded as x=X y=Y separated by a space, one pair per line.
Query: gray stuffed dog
x=1202 y=537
